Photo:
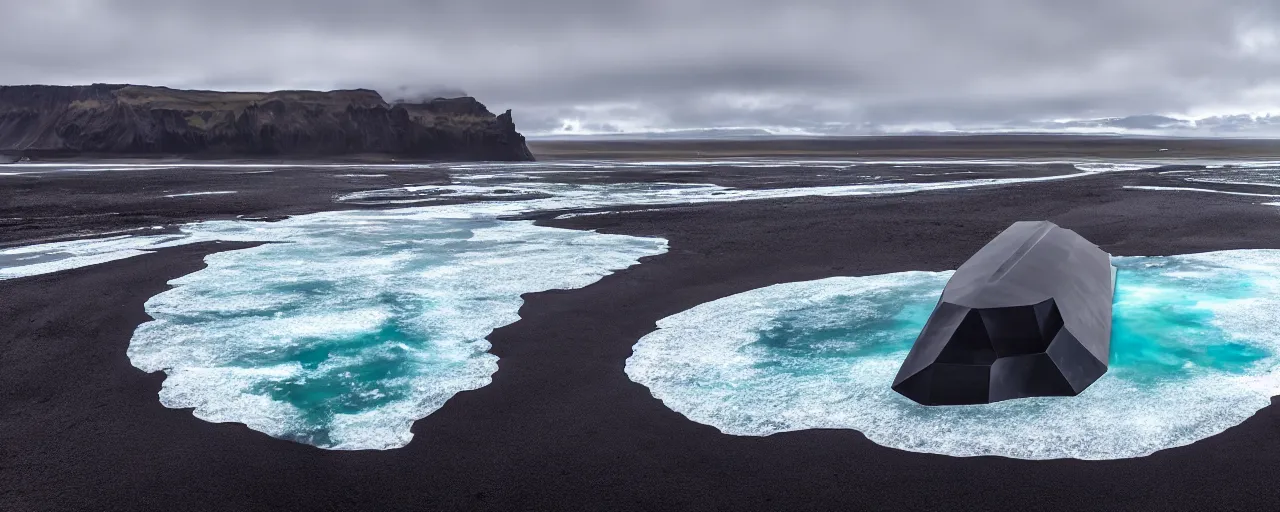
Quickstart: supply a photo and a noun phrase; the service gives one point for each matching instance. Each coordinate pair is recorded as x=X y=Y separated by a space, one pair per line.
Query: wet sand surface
x=38 y=204
x=561 y=427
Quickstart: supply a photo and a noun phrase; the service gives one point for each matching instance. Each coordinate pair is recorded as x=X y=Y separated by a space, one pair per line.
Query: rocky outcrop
x=97 y=119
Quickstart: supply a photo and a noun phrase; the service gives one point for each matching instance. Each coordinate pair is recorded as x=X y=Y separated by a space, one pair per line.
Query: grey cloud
x=819 y=66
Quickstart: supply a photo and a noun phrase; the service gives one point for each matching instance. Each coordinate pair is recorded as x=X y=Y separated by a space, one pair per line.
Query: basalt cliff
x=103 y=119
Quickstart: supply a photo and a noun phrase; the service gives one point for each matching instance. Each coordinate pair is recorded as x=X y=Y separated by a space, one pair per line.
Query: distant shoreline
x=913 y=146
x=941 y=147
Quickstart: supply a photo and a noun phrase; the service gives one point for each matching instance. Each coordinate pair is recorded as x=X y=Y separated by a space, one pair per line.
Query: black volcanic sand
x=44 y=206
x=562 y=428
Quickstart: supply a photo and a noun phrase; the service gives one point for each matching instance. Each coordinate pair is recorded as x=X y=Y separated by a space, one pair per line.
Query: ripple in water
x=1194 y=352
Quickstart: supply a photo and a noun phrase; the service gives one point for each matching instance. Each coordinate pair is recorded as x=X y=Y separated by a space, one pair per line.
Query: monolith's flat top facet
x=1028 y=315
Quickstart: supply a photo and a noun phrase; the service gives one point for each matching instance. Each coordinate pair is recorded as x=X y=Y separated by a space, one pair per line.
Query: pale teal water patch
x=1194 y=352
x=355 y=324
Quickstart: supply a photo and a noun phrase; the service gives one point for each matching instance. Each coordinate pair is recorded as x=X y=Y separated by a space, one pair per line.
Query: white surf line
x=567 y=196
x=619 y=212
x=360 y=175
x=1225 y=164
x=214 y=193
x=821 y=162
x=513 y=176
x=86 y=252
x=576 y=170
x=1228 y=182
x=1191 y=189
x=67 y=255
x=400 y=201
x=609 y=167
x=443 y=191
x=110 y=234
x=483 y=176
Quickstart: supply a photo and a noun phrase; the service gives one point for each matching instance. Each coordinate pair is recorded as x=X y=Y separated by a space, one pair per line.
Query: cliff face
x=138 y=120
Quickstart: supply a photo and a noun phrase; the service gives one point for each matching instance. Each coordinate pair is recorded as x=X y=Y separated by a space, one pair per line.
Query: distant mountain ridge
x=1147 y=125
x=123 y=119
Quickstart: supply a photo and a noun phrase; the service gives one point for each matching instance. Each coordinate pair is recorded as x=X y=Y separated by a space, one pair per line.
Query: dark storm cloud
x=816 y=65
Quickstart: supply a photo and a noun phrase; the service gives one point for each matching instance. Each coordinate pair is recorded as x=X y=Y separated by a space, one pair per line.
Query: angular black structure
x=1028 y=315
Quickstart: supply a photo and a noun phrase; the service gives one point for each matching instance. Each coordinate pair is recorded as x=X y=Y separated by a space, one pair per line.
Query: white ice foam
x=1232 y=182
x=211 y=193
x=58 y=256
x=574 y=196
x=255 y=336
x=479 y=177
x=440 y=191
x=608 y=212
x=400 y=201
x=1192 y=189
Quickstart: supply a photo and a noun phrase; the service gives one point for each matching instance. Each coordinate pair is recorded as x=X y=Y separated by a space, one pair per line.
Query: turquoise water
x=1193 y=353
x=354 y=324
x=1164 y=321
x=826 y=330
x=361 y=382
x=1159 y=330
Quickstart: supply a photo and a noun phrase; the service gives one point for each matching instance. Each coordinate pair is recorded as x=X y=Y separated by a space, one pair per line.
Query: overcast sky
x=838 y=66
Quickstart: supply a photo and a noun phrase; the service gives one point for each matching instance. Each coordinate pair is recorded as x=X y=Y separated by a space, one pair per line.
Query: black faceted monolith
x=1028 y=315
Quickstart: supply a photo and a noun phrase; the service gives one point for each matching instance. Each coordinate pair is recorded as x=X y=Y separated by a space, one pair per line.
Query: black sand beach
x=561 y=427
x=46 y=205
